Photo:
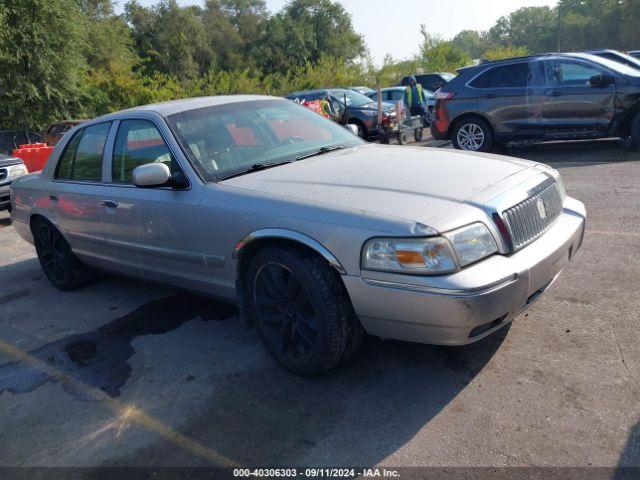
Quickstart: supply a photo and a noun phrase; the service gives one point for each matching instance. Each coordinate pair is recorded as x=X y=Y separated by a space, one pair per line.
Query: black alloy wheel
x=285 y=313
x=63 y=269
x=301 y=310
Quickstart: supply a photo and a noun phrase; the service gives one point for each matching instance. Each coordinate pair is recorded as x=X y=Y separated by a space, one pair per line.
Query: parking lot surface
x=128 y=373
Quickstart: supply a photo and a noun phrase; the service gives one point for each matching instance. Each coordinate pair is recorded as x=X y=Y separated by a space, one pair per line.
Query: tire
x=301 y=310
x=417 y=134
x=635 y=131
x=402 y=138
x=362 y=132
x=63 y=269
x=473 y=134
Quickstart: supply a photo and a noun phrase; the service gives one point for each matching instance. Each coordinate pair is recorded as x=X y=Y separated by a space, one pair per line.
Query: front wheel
x=473 y=134
x=301 y=310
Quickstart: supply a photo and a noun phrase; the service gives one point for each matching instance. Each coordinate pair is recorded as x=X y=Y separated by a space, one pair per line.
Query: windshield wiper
x=256 y=167
x=321 y=151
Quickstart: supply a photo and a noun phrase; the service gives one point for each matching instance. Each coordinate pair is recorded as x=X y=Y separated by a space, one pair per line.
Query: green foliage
x=79 y=58
x=307 y=30
x=500 y=53
x=437 y=55
x=532 y=27
x=41 y=61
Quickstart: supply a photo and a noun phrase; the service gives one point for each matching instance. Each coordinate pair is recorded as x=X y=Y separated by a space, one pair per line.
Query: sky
x=394 y=27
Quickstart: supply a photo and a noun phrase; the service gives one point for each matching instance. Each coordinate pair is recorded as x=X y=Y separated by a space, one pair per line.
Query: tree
x=170 y=39
x=109 y=39
x=437 y=55
x=532 y=27
x=234 y=31
x=41 y=61
x=471 y=42
x=500 y=53
x=307 y=30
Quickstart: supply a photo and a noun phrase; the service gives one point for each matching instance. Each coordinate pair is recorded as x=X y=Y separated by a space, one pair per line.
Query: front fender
x=285 y=234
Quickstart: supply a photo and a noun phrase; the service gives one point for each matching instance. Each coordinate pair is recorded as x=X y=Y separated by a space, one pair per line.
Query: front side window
x=138 y=142
x=82 y=158
x=569 y=73
x=226 y=139
x=518 y=75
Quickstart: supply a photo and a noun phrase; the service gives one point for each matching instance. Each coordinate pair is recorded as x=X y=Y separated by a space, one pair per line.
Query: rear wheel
x=473 y=134
x=301 y=310
x=63 y=269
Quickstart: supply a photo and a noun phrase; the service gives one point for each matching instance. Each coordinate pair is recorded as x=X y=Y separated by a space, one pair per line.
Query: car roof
x=176 y=106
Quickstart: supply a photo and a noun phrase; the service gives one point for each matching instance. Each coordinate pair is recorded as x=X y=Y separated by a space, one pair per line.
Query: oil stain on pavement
x=100 y=359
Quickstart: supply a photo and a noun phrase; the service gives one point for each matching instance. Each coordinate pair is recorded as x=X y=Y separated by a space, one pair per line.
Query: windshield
x=227 y=139
x=354 y=99
x=610 y=64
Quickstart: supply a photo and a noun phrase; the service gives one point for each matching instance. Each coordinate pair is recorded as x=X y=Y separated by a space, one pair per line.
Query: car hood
x=412 y=183
x=6 y=160
x=386 y=106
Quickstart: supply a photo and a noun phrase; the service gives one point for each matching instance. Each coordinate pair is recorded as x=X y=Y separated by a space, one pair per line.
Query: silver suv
x=317 y=235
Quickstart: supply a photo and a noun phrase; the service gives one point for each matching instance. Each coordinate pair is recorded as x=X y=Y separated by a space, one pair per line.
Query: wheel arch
x=255 y=241
x=467 y=115
x=258 y=239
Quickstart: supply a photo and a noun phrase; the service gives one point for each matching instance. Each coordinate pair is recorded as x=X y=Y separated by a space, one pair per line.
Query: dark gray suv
x=544 y=97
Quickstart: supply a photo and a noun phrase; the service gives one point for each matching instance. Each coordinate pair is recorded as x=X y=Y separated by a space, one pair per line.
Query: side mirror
x=601 y=81
x=151 y=175
x=352 y=128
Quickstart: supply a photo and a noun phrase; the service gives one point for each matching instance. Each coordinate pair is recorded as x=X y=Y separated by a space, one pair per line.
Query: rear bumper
x=469 y=305
x=439 y=130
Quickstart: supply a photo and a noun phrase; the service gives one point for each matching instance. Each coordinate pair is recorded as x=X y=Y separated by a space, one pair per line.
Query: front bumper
x=5 y=199
x=466 y=306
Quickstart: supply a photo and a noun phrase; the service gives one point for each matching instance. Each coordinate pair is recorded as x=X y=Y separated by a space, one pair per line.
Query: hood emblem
x=542 y=211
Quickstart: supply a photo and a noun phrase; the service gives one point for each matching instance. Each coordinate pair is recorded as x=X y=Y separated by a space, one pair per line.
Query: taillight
x=440 y=95
x=441 y=122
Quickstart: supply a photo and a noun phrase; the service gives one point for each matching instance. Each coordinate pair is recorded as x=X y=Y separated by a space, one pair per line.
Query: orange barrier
x=34 y=155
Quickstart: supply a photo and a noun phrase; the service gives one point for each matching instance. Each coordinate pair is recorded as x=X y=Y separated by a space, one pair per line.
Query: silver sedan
x=317 y=235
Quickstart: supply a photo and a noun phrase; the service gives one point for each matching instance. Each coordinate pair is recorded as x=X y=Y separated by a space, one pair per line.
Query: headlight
x=429 y=256
x=472 y=243
x=16 y=171
x=409 y=255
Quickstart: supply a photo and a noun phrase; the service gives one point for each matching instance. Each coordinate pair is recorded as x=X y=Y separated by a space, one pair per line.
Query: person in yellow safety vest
x=414 y=98
x=327 y=111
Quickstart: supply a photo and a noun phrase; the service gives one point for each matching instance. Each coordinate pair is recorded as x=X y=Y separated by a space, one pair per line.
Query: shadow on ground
x=357 y=414
x=575 y=153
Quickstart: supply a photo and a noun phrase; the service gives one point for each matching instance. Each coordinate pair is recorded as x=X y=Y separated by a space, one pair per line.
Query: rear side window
x=138 y=142
x=508 y=76
x=82 y=158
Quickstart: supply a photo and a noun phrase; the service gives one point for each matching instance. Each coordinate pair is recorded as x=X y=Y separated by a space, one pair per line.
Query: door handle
x=554 y=94
x=54 y=197
x=110 y=203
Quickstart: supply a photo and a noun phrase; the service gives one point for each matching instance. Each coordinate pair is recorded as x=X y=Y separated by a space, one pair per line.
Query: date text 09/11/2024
x=316 y=472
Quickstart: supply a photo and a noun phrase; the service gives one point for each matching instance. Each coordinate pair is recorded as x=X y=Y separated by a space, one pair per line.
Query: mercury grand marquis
x=318 y=236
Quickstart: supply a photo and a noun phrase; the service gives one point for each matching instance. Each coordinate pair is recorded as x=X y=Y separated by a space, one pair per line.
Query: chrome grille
x=528 y=220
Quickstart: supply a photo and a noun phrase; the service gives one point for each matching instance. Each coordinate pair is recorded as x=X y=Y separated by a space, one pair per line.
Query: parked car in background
x=11 y=168
x=362 y=111
x=634 y=53
x=616 y=56
x=398 y=94
x=362 y=90
x=317 y=235
x=12 y=139
x=430 y=81
x=541 y=97
x=54 y=132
